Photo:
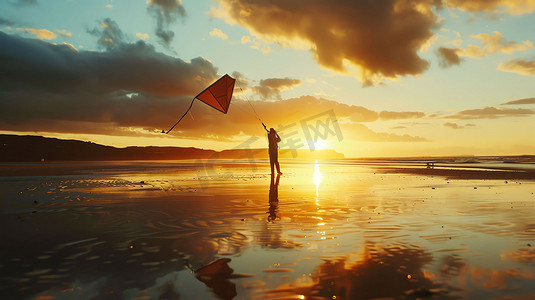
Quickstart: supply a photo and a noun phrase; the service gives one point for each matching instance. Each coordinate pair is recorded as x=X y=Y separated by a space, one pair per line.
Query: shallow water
x=339 y=230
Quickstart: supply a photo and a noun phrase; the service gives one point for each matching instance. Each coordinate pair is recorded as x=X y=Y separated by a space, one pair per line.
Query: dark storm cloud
x=40 y=82
x=448 y=57
x=165 y=12
x=381 y=37
x=271 y=87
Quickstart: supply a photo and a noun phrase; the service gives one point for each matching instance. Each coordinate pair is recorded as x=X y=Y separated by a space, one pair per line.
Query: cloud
x=63 y=33
x=142 y=36
x=453 y=125
x=255 y=44
x=271 y=87
x=240 y=120
x=109 y=34
x=43 y=34
x=448 y=57
x=394 y=115
x=492 y=44
x=490 y=113
x=166 y=12
x=218 y=33
x=380 y=38
x=131 y=89
x=56 y=82
x=518 y=66
x=520 y=101
x=241 y=81
x=513 y=7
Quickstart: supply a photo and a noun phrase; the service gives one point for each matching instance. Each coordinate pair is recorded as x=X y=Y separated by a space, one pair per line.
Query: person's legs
x=272 y=159
x=275 y=156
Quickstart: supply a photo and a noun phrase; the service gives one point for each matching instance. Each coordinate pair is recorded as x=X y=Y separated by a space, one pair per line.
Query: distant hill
x=15 y=148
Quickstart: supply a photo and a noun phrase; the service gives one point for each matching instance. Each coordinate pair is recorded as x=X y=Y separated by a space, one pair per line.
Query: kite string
x=246 y=98
x=182 y=115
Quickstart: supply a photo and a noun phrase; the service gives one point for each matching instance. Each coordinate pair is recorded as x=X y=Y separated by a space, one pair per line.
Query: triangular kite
x=218 y=96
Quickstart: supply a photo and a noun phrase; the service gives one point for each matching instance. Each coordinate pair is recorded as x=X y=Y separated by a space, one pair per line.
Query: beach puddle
x=337 y=230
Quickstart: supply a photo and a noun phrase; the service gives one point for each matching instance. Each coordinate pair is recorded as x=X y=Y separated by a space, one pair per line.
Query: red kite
x=218 y=96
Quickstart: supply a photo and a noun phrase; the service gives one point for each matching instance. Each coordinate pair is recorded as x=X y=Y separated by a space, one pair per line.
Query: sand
x=350 y=229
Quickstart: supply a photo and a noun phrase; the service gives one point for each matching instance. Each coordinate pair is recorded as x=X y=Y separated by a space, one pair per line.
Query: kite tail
x=181 y=117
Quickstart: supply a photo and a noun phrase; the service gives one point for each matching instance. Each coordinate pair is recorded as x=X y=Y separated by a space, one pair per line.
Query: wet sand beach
x=345 y=229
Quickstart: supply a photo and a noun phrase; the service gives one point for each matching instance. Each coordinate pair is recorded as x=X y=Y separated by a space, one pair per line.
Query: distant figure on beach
x=273 y=197
x=274 y=140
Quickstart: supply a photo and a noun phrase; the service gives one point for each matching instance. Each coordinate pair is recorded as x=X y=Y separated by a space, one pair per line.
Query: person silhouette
x=274 y=140
x=273 y=197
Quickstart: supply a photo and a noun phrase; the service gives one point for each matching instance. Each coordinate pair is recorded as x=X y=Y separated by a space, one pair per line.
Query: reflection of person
x=274 y=140
x=273 y=197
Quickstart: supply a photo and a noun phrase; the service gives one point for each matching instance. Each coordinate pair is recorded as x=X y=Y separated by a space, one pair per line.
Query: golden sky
x=366 y=78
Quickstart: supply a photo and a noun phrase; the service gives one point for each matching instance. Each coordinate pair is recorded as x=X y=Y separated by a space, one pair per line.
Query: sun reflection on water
x=317 y=178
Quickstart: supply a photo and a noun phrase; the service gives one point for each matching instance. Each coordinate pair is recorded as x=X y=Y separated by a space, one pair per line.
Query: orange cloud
x=518 y=66
x=43 y=34
x=218 y=33
x=490 y=44
x=513 y=7
x=381 y=39
x=142 y=36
